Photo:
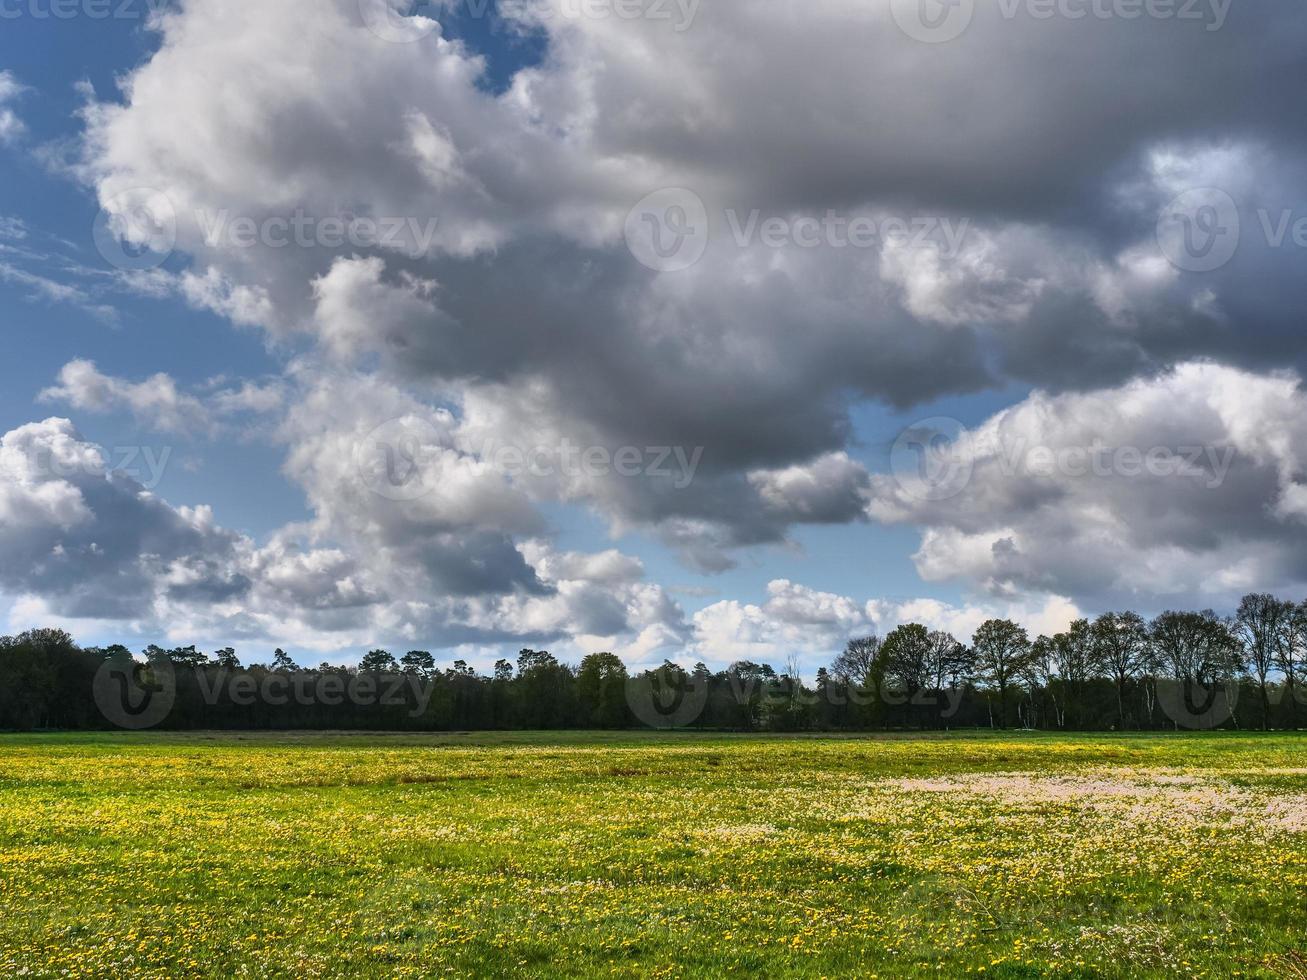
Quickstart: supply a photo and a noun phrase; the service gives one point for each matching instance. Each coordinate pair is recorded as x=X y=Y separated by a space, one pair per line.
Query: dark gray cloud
x=1055 y=147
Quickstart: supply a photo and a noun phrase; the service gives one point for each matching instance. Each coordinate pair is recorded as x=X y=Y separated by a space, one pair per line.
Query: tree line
x=1115 y=672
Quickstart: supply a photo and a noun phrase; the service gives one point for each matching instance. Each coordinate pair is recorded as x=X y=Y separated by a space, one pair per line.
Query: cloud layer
x=885 y=220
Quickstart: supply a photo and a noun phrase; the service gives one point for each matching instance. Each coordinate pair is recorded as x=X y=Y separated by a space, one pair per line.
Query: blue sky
x=241 y=478
x=796 y=371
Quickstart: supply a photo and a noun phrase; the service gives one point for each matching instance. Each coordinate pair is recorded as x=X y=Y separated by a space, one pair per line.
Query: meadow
x=664 y=855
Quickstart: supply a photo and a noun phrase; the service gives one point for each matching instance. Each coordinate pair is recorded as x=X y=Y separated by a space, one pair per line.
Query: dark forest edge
x=1183 y=670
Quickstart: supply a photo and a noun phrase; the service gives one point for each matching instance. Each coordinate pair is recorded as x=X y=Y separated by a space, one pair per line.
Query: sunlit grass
x=637 y=855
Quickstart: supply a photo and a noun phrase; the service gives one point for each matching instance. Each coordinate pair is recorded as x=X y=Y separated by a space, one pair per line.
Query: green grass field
x=652 y=855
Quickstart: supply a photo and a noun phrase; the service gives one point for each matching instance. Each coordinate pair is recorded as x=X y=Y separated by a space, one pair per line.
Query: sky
x=686 y=330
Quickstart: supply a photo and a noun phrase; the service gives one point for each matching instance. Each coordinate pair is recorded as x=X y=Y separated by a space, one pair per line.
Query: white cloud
x=793 y=619
x=1039 y=615
x=831 y=489
x=524 y=300
x=523 y=307
x=156 y=401
x=1186 y=487
x=83 y=544
x=250 y=397
x=522 y=322
x=93 y=542
x=357 y=313
x=815 y=625
x=50 y=290
x=11 y=127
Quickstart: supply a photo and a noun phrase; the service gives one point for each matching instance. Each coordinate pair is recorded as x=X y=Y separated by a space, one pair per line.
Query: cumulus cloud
x=81 y=542
x=93 y=542
x=829 y=490
x=753 y=354
x=253 y=397
x=1185 y=487
x=157 y=402
x=796 y=619
x=462 y=286
x=1044 y=615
